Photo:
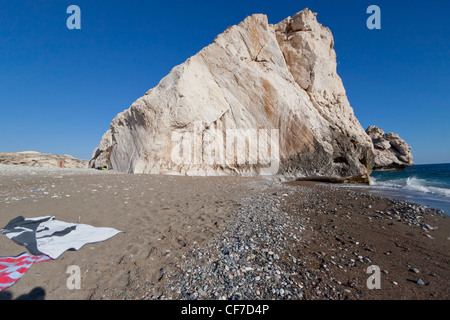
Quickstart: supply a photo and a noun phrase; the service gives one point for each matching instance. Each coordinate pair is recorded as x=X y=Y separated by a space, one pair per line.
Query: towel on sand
x=50 y=237
x=13 y=268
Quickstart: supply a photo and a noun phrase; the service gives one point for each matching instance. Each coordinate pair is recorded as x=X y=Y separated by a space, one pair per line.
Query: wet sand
x=166 y=220
x=349 y=230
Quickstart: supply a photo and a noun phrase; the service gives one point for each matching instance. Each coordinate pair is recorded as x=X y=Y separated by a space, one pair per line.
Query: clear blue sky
x=60 y=88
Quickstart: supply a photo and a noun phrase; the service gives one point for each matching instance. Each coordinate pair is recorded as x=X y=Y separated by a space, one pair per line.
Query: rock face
x=36 y=159
x=391 y=152
x=262 y=99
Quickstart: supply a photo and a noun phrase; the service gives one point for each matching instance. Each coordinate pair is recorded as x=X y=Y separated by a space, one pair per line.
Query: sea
x=426 y=184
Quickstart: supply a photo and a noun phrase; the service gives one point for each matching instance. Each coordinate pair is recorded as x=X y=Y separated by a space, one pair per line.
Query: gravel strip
x=282 y=247
x=246 y=261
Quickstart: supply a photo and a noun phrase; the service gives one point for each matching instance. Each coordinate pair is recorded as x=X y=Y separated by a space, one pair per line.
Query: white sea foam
x=412 y=184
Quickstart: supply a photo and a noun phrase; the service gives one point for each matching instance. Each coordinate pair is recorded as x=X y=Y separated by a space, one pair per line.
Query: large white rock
x=275 y=85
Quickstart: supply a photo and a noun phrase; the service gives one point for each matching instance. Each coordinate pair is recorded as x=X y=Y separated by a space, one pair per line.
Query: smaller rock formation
x=37 y=159
x=391 y=152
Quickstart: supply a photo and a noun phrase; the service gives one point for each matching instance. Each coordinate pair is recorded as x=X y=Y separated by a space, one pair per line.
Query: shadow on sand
x=37 y=293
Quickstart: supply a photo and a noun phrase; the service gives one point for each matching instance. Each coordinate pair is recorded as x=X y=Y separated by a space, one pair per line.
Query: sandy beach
x=225 y=238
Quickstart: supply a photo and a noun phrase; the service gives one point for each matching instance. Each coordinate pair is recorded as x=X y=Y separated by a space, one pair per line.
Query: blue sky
x=60 y=88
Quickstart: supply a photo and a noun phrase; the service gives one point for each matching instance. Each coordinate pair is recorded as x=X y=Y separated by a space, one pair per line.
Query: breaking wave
x=413 y=184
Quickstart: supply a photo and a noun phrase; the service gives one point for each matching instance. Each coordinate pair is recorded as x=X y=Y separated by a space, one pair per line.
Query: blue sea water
x=424 y=184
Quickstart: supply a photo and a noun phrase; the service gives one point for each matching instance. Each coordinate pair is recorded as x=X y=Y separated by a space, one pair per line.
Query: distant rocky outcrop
x=36 y=159
x=391 y=152
x=268 y=84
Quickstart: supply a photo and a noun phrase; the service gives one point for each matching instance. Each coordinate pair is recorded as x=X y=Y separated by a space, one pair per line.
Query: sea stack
x=391 y=152
x=274 y=87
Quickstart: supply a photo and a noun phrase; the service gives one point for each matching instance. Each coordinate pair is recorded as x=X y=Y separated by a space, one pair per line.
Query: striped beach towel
x=13 y=268
x=50 y=237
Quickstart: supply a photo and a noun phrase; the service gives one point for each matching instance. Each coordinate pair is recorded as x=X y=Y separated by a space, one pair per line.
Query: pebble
x=237 y=272
x=254 y=256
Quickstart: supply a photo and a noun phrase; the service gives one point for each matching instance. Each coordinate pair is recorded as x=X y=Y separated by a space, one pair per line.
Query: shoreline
x=424 y=184
x=408 y=241
x=324 y=252
x=228 y=238
x=412 y=197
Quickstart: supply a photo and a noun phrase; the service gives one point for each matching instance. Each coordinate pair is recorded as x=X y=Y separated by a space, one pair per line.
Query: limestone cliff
x=270 y=93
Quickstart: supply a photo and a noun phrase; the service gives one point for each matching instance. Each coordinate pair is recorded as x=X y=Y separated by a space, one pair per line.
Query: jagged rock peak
x=275 y=87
